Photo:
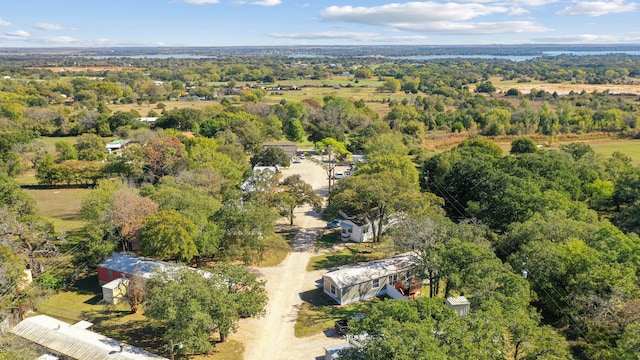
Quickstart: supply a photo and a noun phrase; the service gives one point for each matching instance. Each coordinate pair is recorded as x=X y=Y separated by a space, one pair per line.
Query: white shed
x=459 y=304
x=113 y=292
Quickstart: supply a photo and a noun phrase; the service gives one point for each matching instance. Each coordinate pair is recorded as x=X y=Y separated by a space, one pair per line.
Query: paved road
x=272 y=336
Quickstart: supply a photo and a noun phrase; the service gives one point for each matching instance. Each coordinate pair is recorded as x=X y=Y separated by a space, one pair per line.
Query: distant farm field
x=604 y=147
x=631 y=87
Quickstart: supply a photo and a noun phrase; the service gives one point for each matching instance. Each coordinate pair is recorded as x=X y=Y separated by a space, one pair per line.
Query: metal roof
x=129 y=264
x=457 y=300
x=360 y=273
x=76 y=342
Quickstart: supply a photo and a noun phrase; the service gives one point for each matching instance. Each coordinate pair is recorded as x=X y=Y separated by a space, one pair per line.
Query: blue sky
x=80 y=23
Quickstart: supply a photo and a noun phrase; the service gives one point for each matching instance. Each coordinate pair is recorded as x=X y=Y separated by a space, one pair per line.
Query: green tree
x=295 y=131
x=195 y=204
x=169 y=235
x=523 y=146
x=390 y=85
x=14 y=198
x=270 y=156
x=90 y=147
x=66 y=151
x=189 y=305
x=294 y=192
x=485 y=87
x=376 y=196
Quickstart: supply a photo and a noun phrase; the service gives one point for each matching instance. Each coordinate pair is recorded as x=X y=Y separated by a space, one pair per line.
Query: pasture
x=603 y=146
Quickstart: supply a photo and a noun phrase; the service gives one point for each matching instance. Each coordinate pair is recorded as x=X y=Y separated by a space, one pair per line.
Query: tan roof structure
x=76 y=341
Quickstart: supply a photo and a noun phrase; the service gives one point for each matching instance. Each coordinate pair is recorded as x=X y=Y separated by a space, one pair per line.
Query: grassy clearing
x=631 y=148
x=61 y=206
x=354 y=253
x=228 y=350
x=328 y=239
x=319 y=312
x=604 y=147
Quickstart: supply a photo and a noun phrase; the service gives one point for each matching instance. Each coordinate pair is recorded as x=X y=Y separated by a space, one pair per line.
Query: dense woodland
x=480 y=219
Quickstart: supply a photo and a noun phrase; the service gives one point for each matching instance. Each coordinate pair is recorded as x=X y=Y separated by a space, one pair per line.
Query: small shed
x=289 y=148
x=113 y=292
x=75 y=341
x=459 y=304
x=360 y=282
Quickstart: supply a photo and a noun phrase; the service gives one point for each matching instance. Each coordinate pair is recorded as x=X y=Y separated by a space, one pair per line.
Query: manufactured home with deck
x=360 y=282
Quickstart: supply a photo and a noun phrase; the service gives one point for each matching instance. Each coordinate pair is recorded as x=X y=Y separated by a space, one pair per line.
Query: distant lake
x=516 y=57
x=150 y=56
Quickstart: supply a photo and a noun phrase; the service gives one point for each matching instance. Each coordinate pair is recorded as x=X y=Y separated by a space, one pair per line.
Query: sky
x=94 y=23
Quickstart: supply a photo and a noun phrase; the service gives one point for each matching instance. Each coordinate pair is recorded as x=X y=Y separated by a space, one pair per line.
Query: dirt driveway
x=272 y=336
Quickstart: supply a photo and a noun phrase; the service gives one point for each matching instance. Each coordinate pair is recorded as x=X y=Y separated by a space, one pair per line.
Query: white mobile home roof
x=76 y=342
x=360 y=273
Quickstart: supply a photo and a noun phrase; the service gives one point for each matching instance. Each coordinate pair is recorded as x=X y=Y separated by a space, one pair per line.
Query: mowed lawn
x=61 y=206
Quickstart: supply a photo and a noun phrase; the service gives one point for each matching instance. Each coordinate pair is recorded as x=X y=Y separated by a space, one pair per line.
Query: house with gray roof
x=360 y=282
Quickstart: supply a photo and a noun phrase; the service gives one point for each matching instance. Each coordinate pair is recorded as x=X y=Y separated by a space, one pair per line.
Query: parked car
x=342 y=325
x=340 y=175
x=333 y=224
x=296 y=160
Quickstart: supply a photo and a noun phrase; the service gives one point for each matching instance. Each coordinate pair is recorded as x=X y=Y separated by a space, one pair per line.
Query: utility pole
x=171 y=349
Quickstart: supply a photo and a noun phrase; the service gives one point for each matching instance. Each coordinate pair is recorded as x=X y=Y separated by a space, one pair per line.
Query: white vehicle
x=340 y=175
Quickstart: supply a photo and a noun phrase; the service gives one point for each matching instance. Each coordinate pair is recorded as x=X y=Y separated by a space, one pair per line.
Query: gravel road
x=272 y=336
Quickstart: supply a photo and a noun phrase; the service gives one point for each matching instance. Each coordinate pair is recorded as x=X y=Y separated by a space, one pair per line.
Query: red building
x=122 y=265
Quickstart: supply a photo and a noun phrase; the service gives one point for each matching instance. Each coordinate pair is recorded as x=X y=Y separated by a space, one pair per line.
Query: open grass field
x=633 y=87
x=61 y=206
x=604 y=147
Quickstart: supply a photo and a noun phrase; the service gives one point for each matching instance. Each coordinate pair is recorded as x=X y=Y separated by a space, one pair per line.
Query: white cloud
x=477 y=28
x=261 y=2
x=4 y=23
x=58 y=40
x=47 y=26
x=18 y=34
x=535 y=3
x=411 y=12
x=432 y=17
x=200 y=2
x=347 y=35
x=267 y=2
x=598 y=8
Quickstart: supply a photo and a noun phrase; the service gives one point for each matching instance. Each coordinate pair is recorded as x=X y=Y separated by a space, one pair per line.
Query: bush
x=50 y=281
